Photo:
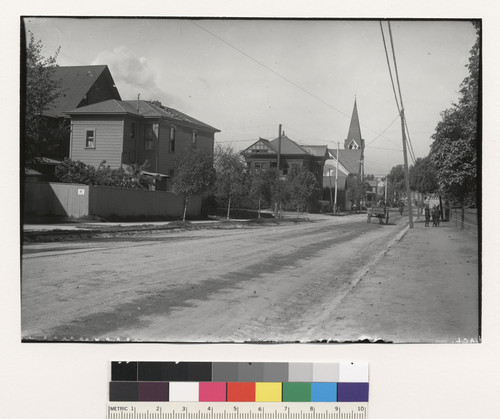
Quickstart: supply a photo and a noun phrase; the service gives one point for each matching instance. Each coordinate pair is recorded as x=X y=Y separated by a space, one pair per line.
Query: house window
x=132 y=130
x=148 y=137
x=172 y=140
x=195 y=139
x=90 y=138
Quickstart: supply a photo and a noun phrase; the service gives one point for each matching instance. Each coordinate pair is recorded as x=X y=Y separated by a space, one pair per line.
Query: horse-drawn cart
x=382 y=213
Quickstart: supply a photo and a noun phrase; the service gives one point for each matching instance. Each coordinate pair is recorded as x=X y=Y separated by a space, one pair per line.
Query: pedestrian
x=401 y=207
x=427 y=212
x=435 y=216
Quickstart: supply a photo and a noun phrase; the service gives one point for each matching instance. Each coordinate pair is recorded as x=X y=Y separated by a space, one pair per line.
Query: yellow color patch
x=268 y=392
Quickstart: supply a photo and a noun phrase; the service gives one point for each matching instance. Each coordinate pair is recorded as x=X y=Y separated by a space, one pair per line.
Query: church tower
x=354 y=140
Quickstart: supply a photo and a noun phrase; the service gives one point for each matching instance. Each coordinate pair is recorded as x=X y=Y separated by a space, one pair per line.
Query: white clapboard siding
x=108 y=142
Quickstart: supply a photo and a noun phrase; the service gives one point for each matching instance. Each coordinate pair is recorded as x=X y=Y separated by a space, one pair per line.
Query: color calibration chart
x=234 y=390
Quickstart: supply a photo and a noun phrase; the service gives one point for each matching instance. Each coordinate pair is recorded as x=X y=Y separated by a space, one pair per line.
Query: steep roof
x=350 y=159
x=75 y=83
x=354 y=129
x=111 y=106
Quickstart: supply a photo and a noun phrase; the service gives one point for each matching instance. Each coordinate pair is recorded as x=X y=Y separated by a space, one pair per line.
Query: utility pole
x=386 y=186
x=276 y=213
x=279 y=150
x=331 y=197
x=336 y=177
x=407 y=177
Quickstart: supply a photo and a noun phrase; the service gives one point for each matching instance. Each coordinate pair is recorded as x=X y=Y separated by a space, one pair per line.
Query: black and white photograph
x=244 y=180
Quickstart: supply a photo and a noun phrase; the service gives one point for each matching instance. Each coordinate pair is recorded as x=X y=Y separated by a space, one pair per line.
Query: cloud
x=133 y=75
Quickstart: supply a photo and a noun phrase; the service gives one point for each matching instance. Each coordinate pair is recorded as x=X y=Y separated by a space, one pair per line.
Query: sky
x=245 y=77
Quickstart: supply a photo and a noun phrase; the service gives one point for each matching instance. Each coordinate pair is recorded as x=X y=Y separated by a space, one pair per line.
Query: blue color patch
x=323 y=392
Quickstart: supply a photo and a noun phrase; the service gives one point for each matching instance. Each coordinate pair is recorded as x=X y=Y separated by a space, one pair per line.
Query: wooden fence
x=74 y=200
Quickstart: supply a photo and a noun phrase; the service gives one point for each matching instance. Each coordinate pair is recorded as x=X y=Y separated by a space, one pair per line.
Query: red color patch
x=240 y=392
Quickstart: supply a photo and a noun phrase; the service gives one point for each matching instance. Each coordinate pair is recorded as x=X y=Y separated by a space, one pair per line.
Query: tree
x=230 y=175
x=454 y=149
x=396 y=180
x=42 y=89
x=356 y=188
x=259 y=188
x=193 y=174
x=423 y=176
x=300 y=186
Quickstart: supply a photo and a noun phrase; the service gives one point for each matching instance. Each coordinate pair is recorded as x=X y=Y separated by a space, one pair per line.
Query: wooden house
x=134 y=131
x=263 y=155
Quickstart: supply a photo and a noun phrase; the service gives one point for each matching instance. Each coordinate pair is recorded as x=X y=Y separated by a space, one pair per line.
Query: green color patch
x=296 y=392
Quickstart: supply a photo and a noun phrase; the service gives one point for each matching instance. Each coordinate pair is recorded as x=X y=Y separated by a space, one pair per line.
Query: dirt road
x=272 y=283
x=256 y=283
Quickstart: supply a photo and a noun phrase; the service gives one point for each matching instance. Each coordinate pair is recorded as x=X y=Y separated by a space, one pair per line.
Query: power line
x=277 y=74
x=385 y=129
x=271 y=70
x=412 y=155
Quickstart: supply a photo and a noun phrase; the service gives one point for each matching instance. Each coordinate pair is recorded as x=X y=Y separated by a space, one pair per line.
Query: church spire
x=354 y=140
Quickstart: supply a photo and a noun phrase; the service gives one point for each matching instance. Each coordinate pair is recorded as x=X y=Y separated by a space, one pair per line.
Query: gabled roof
x=288 y=147
x=75 y=83
x=262 y=146
x=111 y=106
x=354 y=129
x=350 y=159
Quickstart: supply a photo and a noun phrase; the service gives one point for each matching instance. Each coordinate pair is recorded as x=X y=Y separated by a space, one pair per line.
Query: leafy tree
x=356 y=188
x=396 y=180
x=300 y=186
x=423 y=176
x=193 y=174
x=230 y=175
x=259 y=188
x=454 y=150
x=40 y=134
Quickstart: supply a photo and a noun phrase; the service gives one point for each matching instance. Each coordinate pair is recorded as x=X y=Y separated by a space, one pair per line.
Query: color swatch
x=239 y=382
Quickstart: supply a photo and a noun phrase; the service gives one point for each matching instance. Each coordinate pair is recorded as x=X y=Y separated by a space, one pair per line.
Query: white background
x=406 y=381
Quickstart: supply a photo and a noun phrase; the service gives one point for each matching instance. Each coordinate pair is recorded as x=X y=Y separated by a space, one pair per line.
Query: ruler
x=242 y=410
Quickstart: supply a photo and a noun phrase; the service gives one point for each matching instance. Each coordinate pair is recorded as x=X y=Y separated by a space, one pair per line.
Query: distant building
x=263 y=155
x=134 y=131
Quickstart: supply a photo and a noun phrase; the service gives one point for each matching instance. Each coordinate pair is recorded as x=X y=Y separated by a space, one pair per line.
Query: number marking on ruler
x=245 y=410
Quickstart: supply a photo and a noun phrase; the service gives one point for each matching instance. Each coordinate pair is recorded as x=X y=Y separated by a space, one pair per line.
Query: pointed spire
x=354 y=130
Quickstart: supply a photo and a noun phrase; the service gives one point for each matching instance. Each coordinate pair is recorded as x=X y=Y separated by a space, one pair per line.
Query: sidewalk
x=424 y=289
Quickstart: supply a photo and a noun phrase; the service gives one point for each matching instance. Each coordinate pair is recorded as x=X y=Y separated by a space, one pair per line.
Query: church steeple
x=354 y=140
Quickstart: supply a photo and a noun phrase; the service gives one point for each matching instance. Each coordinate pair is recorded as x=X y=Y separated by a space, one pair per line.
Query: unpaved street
x=272 y=283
